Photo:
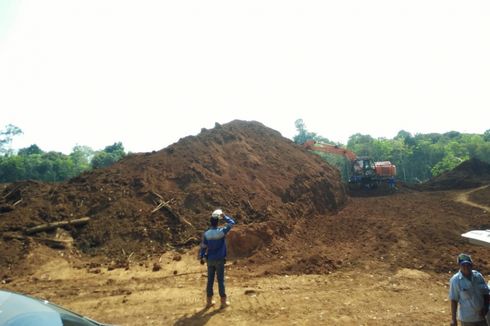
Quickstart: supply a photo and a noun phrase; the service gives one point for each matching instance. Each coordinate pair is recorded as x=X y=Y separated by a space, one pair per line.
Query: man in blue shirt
x=213 y=248
x=468 y=289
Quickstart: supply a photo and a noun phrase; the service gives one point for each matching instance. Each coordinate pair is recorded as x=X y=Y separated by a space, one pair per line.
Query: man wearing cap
x=213 y=249
x=468 y=289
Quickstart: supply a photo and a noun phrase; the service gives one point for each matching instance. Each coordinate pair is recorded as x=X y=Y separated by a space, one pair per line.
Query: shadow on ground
x=199 y=318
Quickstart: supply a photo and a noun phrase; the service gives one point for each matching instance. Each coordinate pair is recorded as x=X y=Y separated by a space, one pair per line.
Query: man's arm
x=229 y=223
x=485 y=291
x=204 y=247
x=454 y=308
x=454 y=297
x=485 y=305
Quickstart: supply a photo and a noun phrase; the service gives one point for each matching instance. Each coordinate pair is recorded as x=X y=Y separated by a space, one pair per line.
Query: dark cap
x=464 y=259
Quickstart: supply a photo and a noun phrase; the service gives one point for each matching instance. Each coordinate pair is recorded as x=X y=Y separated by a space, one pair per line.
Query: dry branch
x=189 y=241
x=156 y=194
x=9 y=236
x=10 y=192
x=250 y=205
x=54 y=225
x=55 y=243
x=166 y=206
x=163 y=204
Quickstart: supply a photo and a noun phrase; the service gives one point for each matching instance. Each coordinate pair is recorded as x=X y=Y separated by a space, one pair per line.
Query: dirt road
x=464 y=197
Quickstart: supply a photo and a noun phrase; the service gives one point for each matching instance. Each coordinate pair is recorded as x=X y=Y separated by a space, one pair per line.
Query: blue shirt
x=469 y=294
x=213 y=241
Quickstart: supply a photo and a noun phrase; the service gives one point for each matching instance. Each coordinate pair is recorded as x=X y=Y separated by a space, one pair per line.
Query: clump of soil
x=469 y=174
x=250 y=171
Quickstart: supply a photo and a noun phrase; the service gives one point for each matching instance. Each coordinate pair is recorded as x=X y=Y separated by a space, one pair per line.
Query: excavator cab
x=363 y=173
x=363 y=166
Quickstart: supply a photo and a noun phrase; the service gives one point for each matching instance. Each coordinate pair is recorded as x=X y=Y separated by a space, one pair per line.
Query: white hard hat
x=217 y=213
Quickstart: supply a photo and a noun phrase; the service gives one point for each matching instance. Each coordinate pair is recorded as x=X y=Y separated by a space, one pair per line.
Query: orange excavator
x=364 y=171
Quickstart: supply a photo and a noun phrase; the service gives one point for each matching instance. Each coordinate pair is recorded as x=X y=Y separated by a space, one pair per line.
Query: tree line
x=418 y=157
x=35 y=164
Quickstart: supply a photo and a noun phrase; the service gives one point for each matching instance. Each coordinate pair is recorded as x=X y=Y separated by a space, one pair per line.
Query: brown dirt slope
x=469 y=174
x=245 y=168
x=481 y=196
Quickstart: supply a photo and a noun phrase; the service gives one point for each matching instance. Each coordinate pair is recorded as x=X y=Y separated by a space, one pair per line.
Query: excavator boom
x=332 y=149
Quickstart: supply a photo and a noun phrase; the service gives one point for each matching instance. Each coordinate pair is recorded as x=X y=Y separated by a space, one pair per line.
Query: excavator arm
x=363 y=169
x=332 y=149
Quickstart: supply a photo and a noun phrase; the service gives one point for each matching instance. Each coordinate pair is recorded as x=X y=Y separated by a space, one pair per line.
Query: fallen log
x=54 y=225
x=13 y=236
x=55 y=243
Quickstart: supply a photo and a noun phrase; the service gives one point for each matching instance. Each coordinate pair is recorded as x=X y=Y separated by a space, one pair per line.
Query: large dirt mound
x=469 y=174
x=245 y=168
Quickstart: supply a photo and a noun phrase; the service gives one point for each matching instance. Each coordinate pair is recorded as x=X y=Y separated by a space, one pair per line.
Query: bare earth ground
x=366 y=295
x=380 y=272
x=479 y=197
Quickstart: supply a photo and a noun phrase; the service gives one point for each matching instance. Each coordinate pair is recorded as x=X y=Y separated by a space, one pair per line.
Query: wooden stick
x=54 y=225
x=156 y=194
x=250 y=205
x=53 y=243
x=10 y=192
x=165 y=204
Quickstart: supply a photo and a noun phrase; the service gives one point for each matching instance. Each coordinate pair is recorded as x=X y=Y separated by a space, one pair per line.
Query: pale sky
x=147 y=73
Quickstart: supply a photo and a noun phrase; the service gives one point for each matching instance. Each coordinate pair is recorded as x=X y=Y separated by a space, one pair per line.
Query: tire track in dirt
x=463 y=197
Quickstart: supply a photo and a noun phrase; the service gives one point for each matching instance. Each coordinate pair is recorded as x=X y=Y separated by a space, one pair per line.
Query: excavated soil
x=250 y=171
x=302 y=252
x=472 y=173
x=378 y=261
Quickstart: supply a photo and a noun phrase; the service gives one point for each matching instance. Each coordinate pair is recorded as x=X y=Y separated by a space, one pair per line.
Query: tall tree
x=304 y=135
x=110 y=155
x=361 y=144
x=81 y=157
x=486 y=135
x=6 y=137
x=33 y=149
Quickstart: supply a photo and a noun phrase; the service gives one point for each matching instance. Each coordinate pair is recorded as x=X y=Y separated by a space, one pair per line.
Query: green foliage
x=360 y=144
x=33 y=163
x=51 y=166
x=81 y=157
x=406 y=137
x=33 y=149
x=449 y=162
x=486 y=135
x=304 y=135
x=340 y=162
x=6 y=137
x=110 y=155
x=418 y=157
